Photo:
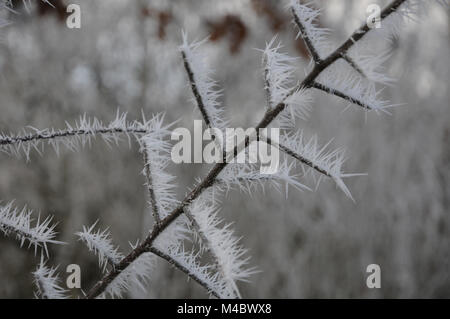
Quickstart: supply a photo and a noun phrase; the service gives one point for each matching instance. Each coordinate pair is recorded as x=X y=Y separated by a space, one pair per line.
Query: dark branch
x=360 y=33
x=353 y=65
x=340 y=94
x=298 y=157
x=11 y=140
x=173 y=262
x=150 y=186
x=267 y=87
x=194 y=87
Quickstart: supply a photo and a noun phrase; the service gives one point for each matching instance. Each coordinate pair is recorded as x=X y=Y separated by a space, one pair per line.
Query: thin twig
x=207 y=119
x=194 y=87
x=353 y=65
x=267 y=87
x=11 y=140
x=198 y=98
x=150 y=186
x=340 y=94
x=200 y=233
x=207 y=242
x=312 y=50
x=173 y=262
x=298 y=157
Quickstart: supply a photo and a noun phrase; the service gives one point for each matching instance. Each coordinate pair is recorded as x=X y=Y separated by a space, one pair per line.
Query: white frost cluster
x=279 y=75
x=20 y=223
x=247 y=178
x=307 y=15
x=372 y=66
x=216 y=285
x=206 y=85
x=223 y=244
x=47 y=283
x=278 y=72
x=100 y=243
x=319 y=157
x=157 y=151
x=298 y=105
x=173 y=235
x=74 y=136
x=136 y=274
x=340 y=77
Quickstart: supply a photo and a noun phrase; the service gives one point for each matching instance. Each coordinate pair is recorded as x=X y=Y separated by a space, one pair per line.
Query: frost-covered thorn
x=340 y=94
x=224 y=246
x=191 y=272
x=160 y=184
x=150 y=187
x=353 y=64
x=73 y=136
x=195 y=90
x=204 y=87
x=280 y=88
x=136 y=273
x=300 y=158
x=248 y=177
x=20 y=223
x=305 y=17
x=319 y=158
x=278 y=72
x=47 y=283
x=312 y=50
x=100 y=243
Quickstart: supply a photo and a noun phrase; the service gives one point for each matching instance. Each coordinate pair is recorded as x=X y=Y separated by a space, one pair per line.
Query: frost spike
x=248 y=177
x=47 y=283
x=314 y=36
x=100 y=243
x=19 y=222
x=137 y=272
x=278 y=77
x=203 y=87
x=340 y=94
x=328 y=163
x=306 y=38
x=187 y=264
x=160 y=184
x=74 y=136
x=223 y=245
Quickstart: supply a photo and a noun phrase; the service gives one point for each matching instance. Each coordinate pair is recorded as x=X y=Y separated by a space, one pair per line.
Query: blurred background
x=312 y=244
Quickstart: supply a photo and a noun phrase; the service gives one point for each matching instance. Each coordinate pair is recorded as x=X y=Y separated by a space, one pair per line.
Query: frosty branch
x=197 y=214
x=340 y=94
x=209 y=180
x=73 y=136
x=182 y=268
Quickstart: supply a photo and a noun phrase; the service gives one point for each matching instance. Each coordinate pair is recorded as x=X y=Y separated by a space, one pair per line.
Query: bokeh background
x=312 y=244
